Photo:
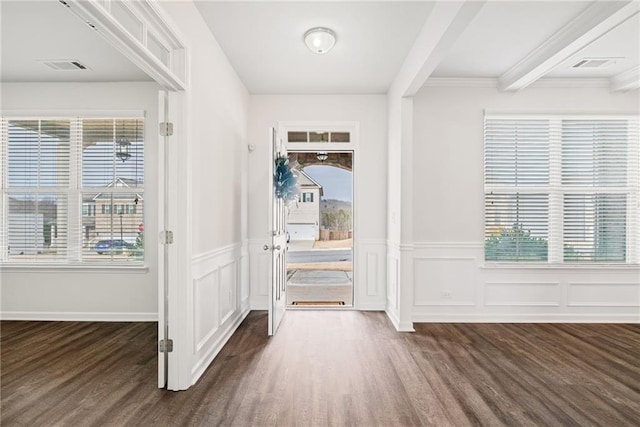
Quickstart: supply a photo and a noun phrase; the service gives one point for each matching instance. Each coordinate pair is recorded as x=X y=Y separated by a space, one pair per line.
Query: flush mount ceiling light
x=320 y=40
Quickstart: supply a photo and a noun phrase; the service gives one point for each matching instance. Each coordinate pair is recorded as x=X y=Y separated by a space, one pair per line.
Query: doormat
x=317 y=303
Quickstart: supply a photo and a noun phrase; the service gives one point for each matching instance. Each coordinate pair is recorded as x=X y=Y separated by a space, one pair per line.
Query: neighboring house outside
x=110 y=215
x=33 y=226
x=304 y=216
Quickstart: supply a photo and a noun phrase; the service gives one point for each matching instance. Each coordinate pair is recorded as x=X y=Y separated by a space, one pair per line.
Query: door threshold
x=320 y=307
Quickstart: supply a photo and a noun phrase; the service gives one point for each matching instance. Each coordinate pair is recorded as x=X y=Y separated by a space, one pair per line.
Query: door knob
x=276 y=248
x=266 y=247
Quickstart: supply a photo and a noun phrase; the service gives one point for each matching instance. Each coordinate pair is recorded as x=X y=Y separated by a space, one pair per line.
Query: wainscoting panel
x=228 y=288
x=206 y=316
x=444 y=281
x=522 y=293
x=218 y=308
x=370 y=274
x=393 y=281
x=393 y=275
x=452 y=283
x=604 y=295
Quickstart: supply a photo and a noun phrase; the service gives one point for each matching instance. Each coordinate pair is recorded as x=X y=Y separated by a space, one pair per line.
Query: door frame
x=173 y=77
x=353 y=127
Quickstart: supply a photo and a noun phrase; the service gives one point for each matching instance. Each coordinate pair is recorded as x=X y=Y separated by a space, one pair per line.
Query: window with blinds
x=562 y=189
x=72 y=190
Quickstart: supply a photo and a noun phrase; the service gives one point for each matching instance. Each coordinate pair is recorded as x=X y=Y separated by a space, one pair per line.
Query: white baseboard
x=43 y=316
x=526 y=318
x=226 y=331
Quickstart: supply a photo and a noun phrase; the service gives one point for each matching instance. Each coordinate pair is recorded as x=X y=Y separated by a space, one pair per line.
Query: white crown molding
x=492 y=82
x=487 y=82
x=589 y=26
x=577 y=82
x=626 y=80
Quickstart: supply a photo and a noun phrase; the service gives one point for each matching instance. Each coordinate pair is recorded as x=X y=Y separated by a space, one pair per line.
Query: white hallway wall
x=450 y=282
x=217 y=107
x=370 y=192
x=94 y=293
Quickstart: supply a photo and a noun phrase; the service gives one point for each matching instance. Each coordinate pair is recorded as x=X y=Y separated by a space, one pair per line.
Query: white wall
x=370 y=183
x=89 y=294
x=214 y=299
x=450 y=281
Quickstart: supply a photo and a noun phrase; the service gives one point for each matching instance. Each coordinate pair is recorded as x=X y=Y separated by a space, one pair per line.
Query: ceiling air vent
x=595 y=62
x=65 y=64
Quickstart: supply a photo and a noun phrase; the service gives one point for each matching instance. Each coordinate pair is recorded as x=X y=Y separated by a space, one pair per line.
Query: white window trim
x=556 y=192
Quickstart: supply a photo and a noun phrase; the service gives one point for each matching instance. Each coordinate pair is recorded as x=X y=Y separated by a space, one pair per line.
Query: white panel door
x=278 y=247
x=163 y=111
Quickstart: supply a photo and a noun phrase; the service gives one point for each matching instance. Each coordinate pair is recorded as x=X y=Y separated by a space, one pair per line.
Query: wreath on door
x=285 y=180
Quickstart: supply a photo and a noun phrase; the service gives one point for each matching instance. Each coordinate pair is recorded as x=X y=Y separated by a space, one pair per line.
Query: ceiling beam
x=626 y=80
x=172 y=74
x=443 y=26
x=596 y=21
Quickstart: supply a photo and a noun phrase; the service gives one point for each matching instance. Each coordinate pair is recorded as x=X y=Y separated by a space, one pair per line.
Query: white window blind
x=56 y=176
x=561 y=189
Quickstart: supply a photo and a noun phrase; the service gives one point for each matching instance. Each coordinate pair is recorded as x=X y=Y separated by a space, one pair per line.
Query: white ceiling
x=505 y=32
x=623 y=42
x=502 y=34
x=264 y=42
x=33 y=31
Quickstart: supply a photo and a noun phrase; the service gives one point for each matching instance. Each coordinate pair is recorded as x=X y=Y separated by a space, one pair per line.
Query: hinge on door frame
x=166 y=128
x=166 y=237
x=165 y=346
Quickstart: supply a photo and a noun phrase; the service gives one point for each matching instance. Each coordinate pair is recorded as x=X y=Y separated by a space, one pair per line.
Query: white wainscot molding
x=594 y=294
x=370 y=274
x=453 y=284
x=393 y=277
x=445 y=274
x=220 y=301
x=546 y=294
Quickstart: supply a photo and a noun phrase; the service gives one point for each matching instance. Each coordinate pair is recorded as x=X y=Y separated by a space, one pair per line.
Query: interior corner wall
x=88 y=294
x=451 y=282
x=217 y=105
x=370 y=111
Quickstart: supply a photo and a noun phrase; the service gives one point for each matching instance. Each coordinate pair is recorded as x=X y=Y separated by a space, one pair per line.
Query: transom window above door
x=318 y=136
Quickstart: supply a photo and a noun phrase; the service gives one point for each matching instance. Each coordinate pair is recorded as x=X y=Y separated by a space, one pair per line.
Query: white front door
x=278 y=246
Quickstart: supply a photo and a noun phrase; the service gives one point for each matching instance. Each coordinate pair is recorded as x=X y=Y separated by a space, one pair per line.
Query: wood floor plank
x=326 y=368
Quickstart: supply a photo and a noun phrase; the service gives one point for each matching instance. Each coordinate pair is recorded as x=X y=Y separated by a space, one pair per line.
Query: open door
x=163 y=112
x=278 y=247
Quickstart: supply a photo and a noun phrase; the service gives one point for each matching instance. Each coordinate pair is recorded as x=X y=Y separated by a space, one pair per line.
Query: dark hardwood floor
x=327 y=368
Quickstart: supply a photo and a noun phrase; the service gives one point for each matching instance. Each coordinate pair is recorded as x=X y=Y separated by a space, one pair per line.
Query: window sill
x=550 y=266
x=59 y=268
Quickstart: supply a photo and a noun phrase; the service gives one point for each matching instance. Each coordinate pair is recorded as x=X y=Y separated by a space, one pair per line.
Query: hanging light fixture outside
x=320 y=40
x=123 y=147
x=322 y=156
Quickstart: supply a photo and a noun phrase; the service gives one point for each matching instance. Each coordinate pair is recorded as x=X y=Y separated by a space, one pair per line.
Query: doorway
x=320 y=231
